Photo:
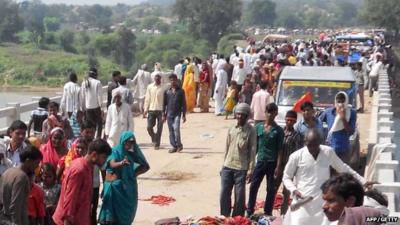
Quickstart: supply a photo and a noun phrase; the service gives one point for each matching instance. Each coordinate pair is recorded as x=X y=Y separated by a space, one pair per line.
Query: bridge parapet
x=382 y=165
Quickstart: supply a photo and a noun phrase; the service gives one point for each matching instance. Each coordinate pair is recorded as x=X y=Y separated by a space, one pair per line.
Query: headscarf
x=338 y=123
x=243 y=108
x=135 y=155
x=49 y=153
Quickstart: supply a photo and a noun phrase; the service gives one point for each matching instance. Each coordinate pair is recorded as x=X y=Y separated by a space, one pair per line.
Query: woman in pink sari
x=55 y=148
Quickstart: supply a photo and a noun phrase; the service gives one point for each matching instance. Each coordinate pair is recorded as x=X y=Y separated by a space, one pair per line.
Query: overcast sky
x=91 y=2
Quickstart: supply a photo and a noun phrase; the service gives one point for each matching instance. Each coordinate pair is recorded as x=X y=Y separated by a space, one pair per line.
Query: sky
x=91 y=2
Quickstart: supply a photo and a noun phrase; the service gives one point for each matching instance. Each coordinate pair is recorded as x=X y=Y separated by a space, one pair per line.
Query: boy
x=38 y=116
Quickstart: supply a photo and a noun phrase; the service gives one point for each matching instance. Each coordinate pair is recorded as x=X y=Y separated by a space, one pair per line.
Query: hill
x=22 y=65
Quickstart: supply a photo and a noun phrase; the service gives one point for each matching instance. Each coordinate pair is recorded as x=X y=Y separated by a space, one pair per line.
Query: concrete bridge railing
x=382 y=165
x=13 y=111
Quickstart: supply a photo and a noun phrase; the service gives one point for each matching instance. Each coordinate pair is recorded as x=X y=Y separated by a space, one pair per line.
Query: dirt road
x=192 y=176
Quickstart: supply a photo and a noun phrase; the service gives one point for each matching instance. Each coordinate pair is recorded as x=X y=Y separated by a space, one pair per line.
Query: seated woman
x=120 y=190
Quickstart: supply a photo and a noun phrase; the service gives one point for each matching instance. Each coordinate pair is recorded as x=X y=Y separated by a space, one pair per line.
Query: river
x=20 y=96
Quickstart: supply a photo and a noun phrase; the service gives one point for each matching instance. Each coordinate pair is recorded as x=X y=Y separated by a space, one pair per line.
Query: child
x=231 y=99
x=51 y=191
x=36 y=207
x=38 y=116
x=78 y=149
x=55 y=120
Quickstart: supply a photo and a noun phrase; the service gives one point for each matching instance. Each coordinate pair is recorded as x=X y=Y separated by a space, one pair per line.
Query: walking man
x=309 y=167
x=259 y=103
x=153 y=106
x=74 y=205
x=70 y=101
x=239 y=162
x=174 y=109
x=15 y=188
x=140 y=82
x=92 y=99
x=124 y=91
x=270 y=138
x=119 y=119
x=112 y=85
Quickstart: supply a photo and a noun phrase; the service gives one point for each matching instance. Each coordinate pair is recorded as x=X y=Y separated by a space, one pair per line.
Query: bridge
x=383 y=154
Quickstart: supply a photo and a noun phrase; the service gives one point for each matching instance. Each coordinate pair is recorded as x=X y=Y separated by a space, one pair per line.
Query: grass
x=27 y=66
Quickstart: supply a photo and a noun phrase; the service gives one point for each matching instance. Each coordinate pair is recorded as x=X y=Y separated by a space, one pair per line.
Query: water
x=20 y=96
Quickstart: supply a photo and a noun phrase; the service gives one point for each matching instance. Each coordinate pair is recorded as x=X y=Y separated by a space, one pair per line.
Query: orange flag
x=307 y=97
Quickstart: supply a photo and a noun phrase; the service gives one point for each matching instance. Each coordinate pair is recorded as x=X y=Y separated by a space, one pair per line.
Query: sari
x=120 y=196
x=189 y=85
x=230 y=101
x=65 y=161
x=49 y=152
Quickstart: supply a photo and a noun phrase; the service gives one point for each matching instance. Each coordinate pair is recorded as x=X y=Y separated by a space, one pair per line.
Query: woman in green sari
x=120 y=191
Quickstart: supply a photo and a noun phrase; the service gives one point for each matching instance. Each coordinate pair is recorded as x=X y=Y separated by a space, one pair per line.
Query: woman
x=205 y=83
x=78 y=149
x=120 y=193
x=189 y=85
x=55 y=148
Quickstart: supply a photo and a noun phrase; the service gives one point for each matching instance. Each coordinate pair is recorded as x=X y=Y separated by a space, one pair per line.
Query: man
x=124 y=91
x=70 y=101
x=153 y=105
x=364 y=62
x=343 y=198
x=309 y=167
x=17 y=132
x=309 y=120
x=239 y=74
x=38 y=116
x=292 y=142
x=220 y=89
x=239 y=160
x=178 y=70
x=140 y=82
x=119 y=119
x=15 y=188
x=74 y=205
x=174 y=109
x=341 y=120
x=374 y=74
x=112 y=85
x=259 y=102
x=357 y=70
x=269 y=153
x=92 y=99
x=157 y=70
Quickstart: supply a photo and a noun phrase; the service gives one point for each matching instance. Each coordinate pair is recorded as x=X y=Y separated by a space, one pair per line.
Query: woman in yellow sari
x=189 y=86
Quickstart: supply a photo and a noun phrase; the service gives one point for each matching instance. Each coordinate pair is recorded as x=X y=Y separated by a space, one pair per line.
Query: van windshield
x=323 y=92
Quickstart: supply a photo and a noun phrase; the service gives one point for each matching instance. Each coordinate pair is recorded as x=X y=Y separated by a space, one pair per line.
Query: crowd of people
x=55 y=163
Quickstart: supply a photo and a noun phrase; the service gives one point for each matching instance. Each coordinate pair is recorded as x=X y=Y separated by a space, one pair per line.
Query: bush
x=227 y=42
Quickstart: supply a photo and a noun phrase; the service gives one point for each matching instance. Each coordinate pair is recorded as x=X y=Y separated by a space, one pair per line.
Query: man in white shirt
x=153 y=106
x=119 y=119
x=178 y=69
x=126 y=94
x=140 y=82
x=70 y=101
x=374 y=75
x=220 y=90
x=92 y=100
x=259 y=102
x=364 y=62
x=309 y=167
x=239 y=74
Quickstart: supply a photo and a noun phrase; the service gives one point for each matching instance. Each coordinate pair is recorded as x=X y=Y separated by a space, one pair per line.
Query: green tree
x=125 y=49
x=97 y=16
x=10 y=21
x=208 y=19
x=260 y=12
x=33 y=14
x=289 y=20
x=105 y=44
x=66 y=39
x=383 y=13
x=227 y=42
x=51 y=24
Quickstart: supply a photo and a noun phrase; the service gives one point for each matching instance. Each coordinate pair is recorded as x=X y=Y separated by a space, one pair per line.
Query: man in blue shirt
x=308 y=121
x=341 y=120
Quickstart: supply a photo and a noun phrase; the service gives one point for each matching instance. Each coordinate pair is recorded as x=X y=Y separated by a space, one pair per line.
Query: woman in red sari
x=78 y=149
x=55 y=148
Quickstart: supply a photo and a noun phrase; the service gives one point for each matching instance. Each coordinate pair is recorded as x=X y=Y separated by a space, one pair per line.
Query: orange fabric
x=307 y=97
x=36 y=207
x=161 y=200
x=189 y=86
